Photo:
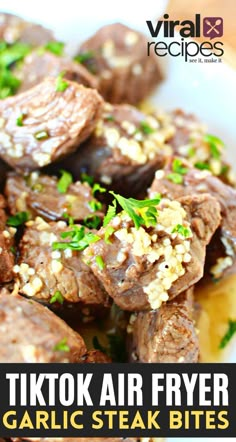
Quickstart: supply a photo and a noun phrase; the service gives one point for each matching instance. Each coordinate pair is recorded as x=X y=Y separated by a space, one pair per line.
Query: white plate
x=208 y=90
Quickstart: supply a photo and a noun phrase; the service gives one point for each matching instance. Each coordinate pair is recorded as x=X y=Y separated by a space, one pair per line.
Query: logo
x=213 y=27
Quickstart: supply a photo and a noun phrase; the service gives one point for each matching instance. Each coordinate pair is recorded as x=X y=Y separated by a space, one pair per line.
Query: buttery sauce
x=218 y=305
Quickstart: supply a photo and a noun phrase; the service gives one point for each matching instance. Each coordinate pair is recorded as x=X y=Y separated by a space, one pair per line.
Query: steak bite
x=37 y=66
x=124 y=150
x=56 y=275
x=30 y=332
x=42 y=195
x=46 y=123
x=222 y=250
x=142 y=265
x=165 y=335
x=117 y=55
x=14 y=28
x=6 y=244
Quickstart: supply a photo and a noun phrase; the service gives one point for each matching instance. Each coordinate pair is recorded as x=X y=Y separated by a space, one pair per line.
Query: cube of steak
x=42 y=272
x=37 y=66
x=39 y=195
x=124 y=151
x=147 y=266
x=165 y=335
x=118 y=56
x=32 y=333
x=197 y=181
x=6 y=244
x=52 y=123
x=14 y=28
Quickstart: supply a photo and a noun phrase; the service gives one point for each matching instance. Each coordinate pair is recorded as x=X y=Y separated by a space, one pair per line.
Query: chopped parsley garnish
x=100 y=263
x=146 y=128
x=62 y=346
x=109 y=231
x=215 y=145
x=229 y=334
x=84 y=56
x=111 y=213
x=98 y=188
x=61 y=85
x=202 y=166
x=178 y=171
x=12 y=53
x=13 y=250
x=116 y=348
x=56 y=47
x=92 y=221
x=18 y=219
x=87 y=179
x=95 y=205
x=184 y=231
x=9 y=83
x=79 y=239
x=142 y=212
x=41 y=135
x=20 y=120
x=109 y=118
x=64 y=182
x=57 y=297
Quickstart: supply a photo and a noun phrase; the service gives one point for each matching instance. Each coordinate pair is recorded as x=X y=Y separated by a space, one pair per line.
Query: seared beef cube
x=165 y=335
x=124 y=151
x=46 y=123
x=118 y=56
x=40 y=195
x=141 y=268
x=6 y=244
x=14 y=28
x=37 y=66
x=199 y=182
x=30 y=332
x=54 y=276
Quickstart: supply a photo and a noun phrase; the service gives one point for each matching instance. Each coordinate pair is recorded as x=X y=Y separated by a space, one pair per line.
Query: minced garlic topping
x=170 y=249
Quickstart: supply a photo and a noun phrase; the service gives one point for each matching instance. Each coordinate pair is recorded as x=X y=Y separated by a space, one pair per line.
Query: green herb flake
x=108 y=232
x=57 y=297
x=61 y=85
x=175 y=178
x=41 y=135
x=177 y=167
x=56 y=47
x=146 y=128
x=98 y=188
x=182 y=230
x=111 y=213
x=215 y=144
x=229 y=334
x=99 y=261
x=79 y=239
x=109 y=118
x=65 y=181
x=12 y=53
x=202 y=166
x=92 y=221
x=142 y=212
x=95 y=205
x=20 y=120
x=87 y=179
x=13 y=250
x=84 y=56
x=9 y=83
x=62 y=346
x=18 y=219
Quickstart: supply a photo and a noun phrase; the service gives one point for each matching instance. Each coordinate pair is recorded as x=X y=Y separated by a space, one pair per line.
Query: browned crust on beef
x=30 y=332
x=6 y=242
x=14 y=28
x=37 y=66
x=165 y=335
x=126 y=74
x=67 y=117
x=39 y=195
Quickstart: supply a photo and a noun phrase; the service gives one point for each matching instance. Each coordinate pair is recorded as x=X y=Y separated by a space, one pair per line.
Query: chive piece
x=111 y=213
x=41 y=135
x=178 y=167
x=57 y=297
x=215 y=145
x=56 y=47
x=175 y=178
x=20 y=120
x=98 y=188
x=109 y=231
x=87 y=179
x=100 y=263
x=65 y=181
x=229 y=334
x=84 y=56
x=202 y=166
x=146 y=128
x=184 y=231
x=62 y=346
x=95 y=205
x=61 y=85
x=18 y=219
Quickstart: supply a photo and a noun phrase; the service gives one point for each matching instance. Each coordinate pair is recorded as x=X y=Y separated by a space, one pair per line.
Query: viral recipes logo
x=209 y=50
